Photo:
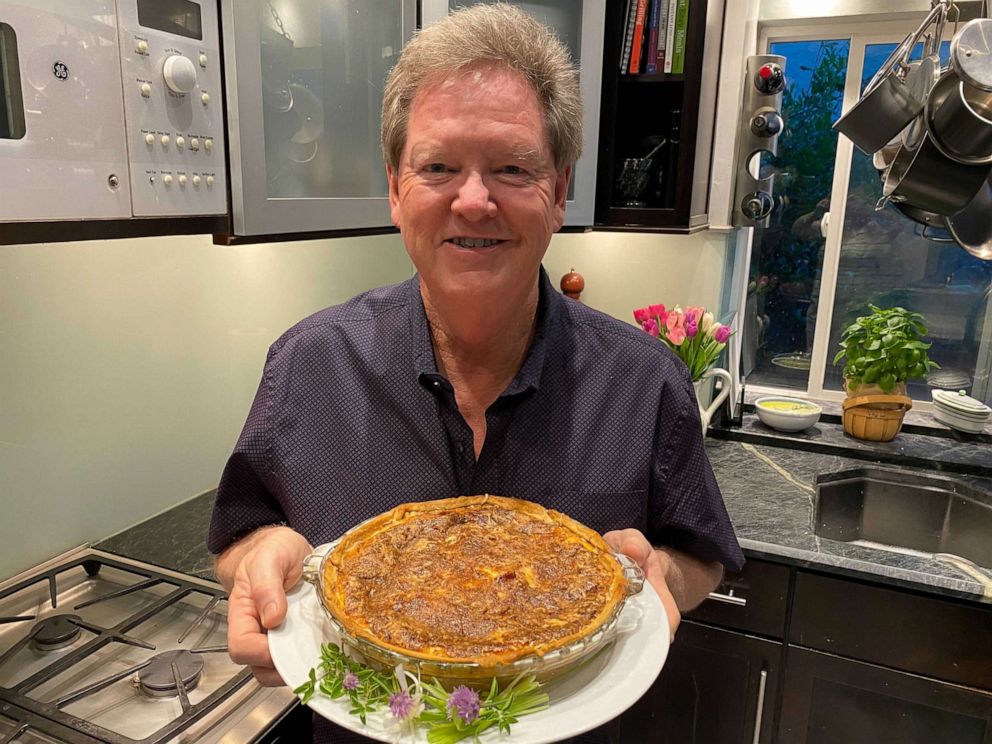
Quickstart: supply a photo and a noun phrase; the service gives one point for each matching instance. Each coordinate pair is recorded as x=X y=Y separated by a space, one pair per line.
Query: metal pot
x=896 y=93
x=958 y=112
x=926 y=178
x=971 y=228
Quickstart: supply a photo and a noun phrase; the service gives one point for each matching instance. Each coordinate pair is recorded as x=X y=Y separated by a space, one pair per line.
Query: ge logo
x=61 y=70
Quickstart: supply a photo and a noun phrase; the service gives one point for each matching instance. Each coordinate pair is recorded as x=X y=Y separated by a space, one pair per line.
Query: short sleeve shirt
x=353 y=418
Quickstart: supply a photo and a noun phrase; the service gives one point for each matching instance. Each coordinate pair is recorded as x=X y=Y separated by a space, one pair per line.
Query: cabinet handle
x=728 y=598
x=761 y=706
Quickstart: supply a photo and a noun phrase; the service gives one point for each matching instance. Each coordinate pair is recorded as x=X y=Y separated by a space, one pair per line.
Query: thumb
x=267 y=578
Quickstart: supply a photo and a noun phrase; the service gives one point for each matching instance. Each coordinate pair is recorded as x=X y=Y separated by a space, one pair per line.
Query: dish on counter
x=959 y=411
x=787 y=414
x=799 y=360
x=525 y=589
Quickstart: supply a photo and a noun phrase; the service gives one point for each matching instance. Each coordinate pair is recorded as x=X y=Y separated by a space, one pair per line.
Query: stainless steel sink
x=926 y=513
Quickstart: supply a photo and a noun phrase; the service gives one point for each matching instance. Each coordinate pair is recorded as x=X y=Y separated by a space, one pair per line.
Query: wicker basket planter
x=873 y=415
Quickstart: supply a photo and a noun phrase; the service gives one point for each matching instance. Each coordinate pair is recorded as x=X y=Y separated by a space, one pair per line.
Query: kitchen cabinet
x=717 y=687
x=656 y=130
x=304 y=85
x=794 y=656
x=580 y=27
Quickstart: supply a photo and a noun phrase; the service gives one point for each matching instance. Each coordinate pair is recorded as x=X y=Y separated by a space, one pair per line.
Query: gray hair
x=496 y=34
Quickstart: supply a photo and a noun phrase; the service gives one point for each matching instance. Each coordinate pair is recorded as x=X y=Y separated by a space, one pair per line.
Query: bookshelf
x=638 y=115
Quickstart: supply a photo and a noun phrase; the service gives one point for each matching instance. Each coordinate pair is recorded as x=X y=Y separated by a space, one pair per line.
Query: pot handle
x=900 y=55
x=904 y=401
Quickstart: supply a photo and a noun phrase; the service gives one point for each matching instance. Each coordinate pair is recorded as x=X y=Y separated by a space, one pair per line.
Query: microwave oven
x=110 y=109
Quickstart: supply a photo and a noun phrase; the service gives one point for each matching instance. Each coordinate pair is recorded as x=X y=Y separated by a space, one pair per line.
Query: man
x=475 y=376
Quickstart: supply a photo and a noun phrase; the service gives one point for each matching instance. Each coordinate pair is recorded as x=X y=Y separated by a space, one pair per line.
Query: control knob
x=769 y=78
x=766 y=124
x=757 y=205
x=179 y=73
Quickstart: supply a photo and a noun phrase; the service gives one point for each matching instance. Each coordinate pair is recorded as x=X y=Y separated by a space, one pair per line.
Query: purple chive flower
x=465 y=702
x=350 y=681
x=402 y=705
x=722 y=334
x=650 y=326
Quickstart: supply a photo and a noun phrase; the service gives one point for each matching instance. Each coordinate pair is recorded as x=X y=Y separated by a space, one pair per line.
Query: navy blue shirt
x=353 y=418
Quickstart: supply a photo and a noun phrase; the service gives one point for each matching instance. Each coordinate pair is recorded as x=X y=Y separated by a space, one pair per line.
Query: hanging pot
x=927 y=179
x=896 y=93
x=971 y=228
x=958 y=113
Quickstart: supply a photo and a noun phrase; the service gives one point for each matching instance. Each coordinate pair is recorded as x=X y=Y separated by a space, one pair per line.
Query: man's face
x=476 y=195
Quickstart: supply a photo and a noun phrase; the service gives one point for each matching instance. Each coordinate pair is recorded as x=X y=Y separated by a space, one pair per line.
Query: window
x=828 y=252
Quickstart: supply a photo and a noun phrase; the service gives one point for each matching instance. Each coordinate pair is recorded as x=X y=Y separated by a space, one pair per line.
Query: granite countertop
x=768 y=484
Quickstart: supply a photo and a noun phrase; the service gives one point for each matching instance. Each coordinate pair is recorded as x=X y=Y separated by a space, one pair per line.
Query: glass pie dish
x=544 y=667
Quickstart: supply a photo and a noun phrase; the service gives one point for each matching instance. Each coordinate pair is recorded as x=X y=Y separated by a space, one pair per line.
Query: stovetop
x=98 y=648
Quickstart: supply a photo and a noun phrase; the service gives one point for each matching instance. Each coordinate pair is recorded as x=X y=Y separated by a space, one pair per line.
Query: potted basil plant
x=881 y=351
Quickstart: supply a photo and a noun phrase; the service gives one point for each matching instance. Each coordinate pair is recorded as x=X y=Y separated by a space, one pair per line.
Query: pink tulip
x=676 y=335
x=656 y=309
x=691 y=329
x=722 y=334
x=650 y=326
x=694 y=314
x=642 y=314
x=675 y=320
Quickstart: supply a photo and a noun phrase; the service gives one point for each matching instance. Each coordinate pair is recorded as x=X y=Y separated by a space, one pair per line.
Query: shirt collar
x=527 y=378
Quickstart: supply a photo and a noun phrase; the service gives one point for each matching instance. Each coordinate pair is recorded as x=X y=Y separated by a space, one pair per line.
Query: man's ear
x=394 y=195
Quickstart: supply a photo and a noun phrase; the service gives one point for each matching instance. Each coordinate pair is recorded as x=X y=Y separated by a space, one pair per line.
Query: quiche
x=481 y=579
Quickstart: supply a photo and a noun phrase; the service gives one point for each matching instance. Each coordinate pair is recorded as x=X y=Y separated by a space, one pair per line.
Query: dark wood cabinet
x=717 y=687
x=786 y=655
x=655 y=115
x=828 y=699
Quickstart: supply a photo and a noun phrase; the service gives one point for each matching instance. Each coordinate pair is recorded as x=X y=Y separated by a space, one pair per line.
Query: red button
x=765 y=71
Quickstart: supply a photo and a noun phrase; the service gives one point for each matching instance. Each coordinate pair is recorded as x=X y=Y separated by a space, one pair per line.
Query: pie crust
x=482 y=579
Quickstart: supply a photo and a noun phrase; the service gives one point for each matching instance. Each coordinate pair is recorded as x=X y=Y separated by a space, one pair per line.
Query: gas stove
x=99 y=648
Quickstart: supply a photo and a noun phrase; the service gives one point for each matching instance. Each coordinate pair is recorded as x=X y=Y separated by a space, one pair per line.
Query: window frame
x=859 y=35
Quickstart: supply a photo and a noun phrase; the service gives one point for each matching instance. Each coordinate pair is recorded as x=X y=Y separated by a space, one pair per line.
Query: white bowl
x=787 y=414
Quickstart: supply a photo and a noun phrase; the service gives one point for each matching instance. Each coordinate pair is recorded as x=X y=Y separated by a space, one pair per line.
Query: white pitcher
x=705 y=414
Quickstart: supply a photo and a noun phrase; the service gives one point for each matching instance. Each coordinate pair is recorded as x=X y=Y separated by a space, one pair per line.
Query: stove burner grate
x=55 y=632
x=171 y=673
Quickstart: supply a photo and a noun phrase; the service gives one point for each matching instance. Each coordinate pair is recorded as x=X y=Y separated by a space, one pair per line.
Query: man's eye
x=435 y=168
x=513 y=170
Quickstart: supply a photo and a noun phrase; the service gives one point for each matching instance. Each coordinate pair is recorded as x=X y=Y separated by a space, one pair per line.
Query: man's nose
x=474 y=201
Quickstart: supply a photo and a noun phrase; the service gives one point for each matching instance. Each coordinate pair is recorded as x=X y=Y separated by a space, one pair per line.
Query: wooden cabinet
x=786 y=655
x=657 y=115
x=717 y=687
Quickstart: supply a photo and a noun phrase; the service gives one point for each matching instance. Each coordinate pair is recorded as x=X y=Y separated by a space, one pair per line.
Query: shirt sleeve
x=686 y=509
x=244 y=502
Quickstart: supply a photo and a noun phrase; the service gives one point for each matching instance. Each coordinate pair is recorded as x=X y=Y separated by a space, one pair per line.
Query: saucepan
x=958 y=113
x=971 y=228
x=927 y=179
x=896 y=93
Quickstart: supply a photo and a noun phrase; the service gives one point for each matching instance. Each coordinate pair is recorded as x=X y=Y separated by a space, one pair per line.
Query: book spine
x=681 y=24
x=653 y=23
x=662 y=33
x=670 y=34
x=635 y=51
x=628 y=37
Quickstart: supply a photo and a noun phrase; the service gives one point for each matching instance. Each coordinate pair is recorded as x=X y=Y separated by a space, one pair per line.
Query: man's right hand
x=257 y=571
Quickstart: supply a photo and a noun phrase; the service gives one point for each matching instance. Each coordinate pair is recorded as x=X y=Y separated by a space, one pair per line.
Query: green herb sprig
x=448 y=717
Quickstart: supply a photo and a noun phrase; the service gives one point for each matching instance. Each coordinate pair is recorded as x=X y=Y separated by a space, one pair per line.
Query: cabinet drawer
x=753 y=600
x=934 y=637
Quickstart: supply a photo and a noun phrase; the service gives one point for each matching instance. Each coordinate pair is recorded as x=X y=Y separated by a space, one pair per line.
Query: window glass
x=11 y=101
x=787 y=256
x=888 y=259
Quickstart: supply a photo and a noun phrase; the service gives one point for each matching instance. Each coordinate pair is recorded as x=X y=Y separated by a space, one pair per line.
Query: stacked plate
x=960 y=412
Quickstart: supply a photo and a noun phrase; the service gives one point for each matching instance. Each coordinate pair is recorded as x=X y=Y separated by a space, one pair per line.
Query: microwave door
x=63 y=150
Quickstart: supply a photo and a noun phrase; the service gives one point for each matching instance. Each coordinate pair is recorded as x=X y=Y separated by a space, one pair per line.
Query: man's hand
x=632 y=543
x=257 y=571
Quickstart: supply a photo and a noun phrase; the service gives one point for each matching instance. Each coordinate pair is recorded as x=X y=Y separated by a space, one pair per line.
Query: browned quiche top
x=476 y=578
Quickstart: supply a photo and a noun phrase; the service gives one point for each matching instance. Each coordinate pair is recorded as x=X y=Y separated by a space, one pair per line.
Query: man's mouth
x=474 y=242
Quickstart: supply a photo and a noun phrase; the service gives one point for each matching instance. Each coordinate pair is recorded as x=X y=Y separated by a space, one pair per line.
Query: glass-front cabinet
x=579 y=24
x=304 y=93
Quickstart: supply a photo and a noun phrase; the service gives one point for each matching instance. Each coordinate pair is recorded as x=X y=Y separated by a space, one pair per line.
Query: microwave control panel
x=173 y=108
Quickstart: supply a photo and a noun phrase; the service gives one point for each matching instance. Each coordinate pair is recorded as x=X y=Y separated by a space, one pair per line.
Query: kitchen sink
x=925 y=513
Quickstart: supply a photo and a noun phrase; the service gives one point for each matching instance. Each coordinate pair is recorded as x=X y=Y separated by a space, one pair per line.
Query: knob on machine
x=766 y=124
x=179 y=73
x=769 y=78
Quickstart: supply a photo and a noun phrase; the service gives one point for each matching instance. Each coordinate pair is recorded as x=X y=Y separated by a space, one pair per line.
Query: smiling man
x=475 y=376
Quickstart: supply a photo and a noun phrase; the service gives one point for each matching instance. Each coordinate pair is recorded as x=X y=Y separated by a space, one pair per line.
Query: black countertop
x=768 y=483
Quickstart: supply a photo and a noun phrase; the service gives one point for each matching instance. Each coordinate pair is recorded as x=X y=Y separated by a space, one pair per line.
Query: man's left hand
x=654 y=563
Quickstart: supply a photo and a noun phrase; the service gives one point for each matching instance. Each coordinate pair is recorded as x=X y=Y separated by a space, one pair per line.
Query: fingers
x=267 y=676
x=630 y=542
x=269 y=575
